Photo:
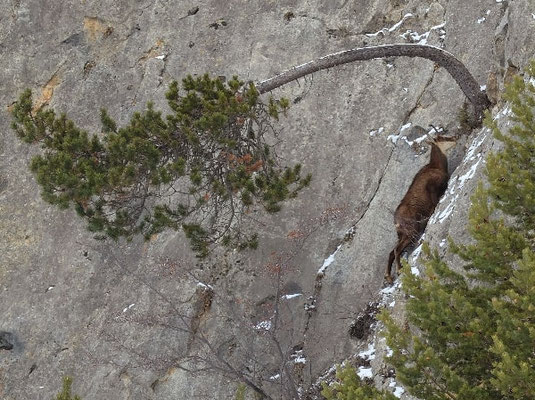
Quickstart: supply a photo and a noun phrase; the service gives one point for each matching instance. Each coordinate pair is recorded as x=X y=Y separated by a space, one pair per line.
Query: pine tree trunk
x=456 y=69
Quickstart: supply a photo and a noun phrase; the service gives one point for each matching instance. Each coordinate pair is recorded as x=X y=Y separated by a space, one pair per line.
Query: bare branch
x=455 y=68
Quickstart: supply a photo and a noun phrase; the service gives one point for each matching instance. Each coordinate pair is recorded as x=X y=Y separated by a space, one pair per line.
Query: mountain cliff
x=129 y=319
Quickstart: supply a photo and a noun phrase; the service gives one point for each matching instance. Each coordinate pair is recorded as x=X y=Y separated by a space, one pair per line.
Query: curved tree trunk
x=456 y=69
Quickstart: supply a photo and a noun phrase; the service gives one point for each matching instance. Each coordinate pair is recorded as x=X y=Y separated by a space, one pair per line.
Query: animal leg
x=388 y=273
x=402 y=244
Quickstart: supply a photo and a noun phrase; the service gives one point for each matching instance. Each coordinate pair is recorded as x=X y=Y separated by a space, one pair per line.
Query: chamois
x=416 y=207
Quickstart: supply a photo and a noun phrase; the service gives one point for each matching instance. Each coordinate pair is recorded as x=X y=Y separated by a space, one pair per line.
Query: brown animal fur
x=423 y=195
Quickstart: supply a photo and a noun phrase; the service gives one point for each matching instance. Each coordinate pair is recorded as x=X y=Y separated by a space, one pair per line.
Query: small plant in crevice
x=362 y=326
x=66 y=392
x=466 y=119
x=203 y=168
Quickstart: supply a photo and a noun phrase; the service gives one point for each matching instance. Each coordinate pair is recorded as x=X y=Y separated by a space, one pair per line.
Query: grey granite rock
x=68 y=298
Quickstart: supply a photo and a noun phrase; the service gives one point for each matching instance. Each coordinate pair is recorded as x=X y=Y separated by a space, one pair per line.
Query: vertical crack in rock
x=311 y=305
x=417 y=103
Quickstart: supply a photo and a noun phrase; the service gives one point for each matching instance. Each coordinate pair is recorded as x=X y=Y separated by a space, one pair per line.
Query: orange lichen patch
x=154 y=51
x=47 y=92
x=95 y=28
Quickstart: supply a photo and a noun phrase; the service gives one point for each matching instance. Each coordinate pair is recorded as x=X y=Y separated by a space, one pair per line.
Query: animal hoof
x=389 y=279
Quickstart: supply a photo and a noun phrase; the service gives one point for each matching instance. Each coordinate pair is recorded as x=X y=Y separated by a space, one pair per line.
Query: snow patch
x=328 y=261
x=394 y=138
x=447 y=212
x=298 y=357
x=376 y=132
x=368 y=354
x=415 y=37
x=384 y=31
x=204 y=286
x=364 y=373
x=470 y=174
x=129 y=307
x=398 y=391
x=470 y=154
x=291 y=296
x=263 y=325
x=391 y=289
x=481 y=20
x=416 y=252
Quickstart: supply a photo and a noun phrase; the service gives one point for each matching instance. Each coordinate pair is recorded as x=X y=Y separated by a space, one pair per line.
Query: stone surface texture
x=76 y=306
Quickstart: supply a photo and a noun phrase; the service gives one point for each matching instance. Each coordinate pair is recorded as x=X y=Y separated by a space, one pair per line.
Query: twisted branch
x=455 y=68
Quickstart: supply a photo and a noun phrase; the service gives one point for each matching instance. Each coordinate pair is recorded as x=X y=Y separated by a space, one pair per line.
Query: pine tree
x=348 y=386
x=473 y=334
x=65 y=393
x=200 y=168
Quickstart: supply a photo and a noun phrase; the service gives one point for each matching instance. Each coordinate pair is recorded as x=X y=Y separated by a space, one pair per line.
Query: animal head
x=444 y=143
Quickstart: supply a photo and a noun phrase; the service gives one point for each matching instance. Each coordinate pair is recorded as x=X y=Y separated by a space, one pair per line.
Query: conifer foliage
x=348 y=386
x=200 y=168
x=471 y=335
x=476 y=331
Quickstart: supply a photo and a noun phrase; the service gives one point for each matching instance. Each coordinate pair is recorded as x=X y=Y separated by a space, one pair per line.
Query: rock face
x=127 y=319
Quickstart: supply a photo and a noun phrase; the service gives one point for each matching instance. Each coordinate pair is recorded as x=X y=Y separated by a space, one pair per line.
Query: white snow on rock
x=368 y=354
x=291 y=296
x=470 y=174
x=298 y=357
x=398 y=390
x=328 y=261
x=416 y=252
x=129 y=307
x=391 y=289
x=394 y=138
x=378 y=131
x=364 y=373
x=415 y=37
x=300 y=360
x=263 y=325
x=204 y=286
x=385 y=31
